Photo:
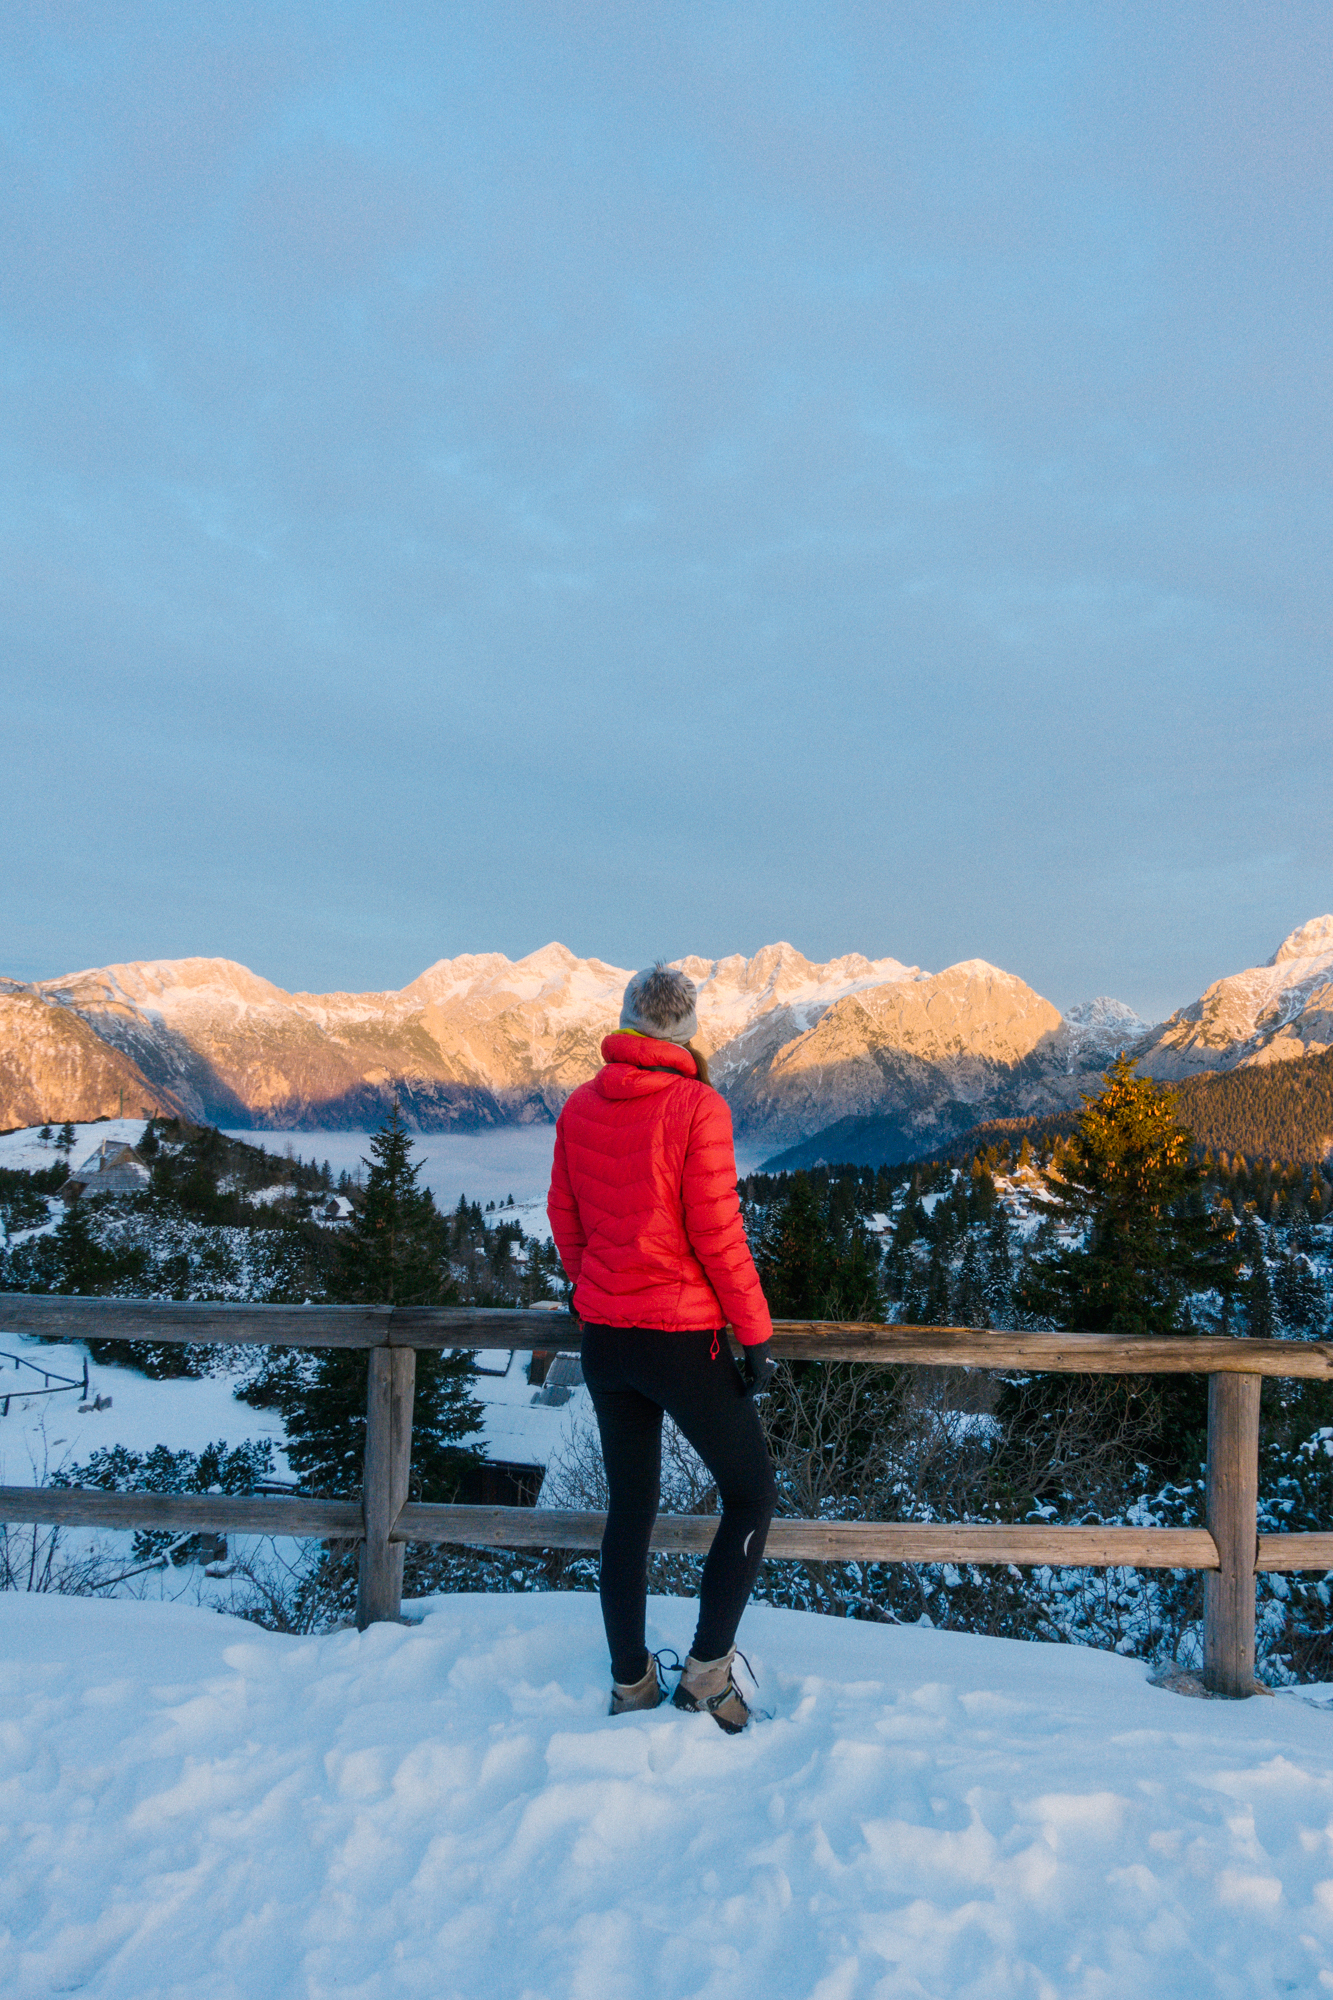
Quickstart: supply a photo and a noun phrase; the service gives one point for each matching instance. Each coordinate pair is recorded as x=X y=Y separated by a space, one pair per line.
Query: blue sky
x=666 y=478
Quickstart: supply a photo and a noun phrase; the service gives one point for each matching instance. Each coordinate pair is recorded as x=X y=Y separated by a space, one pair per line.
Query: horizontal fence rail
x=183 y=1513
x=431 y=1327
x=1228 y=1551
x=673 y=1534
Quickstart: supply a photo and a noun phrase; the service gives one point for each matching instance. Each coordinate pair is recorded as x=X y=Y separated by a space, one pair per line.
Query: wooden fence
x=1229 y=1550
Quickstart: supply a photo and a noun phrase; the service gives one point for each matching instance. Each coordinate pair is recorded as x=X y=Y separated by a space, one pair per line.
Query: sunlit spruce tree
x=1146 y=1240
x=1124 y=1182
x=394 y=1253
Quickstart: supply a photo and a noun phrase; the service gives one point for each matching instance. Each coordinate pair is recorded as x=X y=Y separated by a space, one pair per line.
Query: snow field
x=192 y=1806
x=23 y=1148
x=42 y=1435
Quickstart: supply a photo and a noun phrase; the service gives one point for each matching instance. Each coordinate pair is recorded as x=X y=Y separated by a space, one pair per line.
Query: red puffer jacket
x=643 y=1200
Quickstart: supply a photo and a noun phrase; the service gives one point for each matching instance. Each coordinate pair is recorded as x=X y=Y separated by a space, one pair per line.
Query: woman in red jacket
x=645 y=1216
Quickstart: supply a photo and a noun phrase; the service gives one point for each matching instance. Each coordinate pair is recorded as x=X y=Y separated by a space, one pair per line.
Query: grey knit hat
x=660 y=1002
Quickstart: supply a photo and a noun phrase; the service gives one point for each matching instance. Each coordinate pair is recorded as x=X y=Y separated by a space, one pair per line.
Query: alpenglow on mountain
x=481 y=1041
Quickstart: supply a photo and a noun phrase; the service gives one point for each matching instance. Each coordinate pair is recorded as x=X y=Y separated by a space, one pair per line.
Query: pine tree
x=893 y=1272
x=816 y=1258
x=984 y=1196
x=1299 y=1297
x=794 y=1254
x=1260 y=1318
x=1144 y=1245
x=999 y=1270
x=80 y=1260
x=1124 y=1185
x=936 y=1308
x=970 y=1303
x=912 y=1311
x=65 y=1143
x=395 y=1253
x=82 y=1265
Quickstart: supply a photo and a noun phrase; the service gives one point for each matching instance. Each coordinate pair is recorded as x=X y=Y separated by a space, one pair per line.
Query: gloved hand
x=757 y=1367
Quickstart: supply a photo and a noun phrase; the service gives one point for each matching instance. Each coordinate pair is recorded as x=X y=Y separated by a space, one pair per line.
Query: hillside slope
x=1280 y=1111
x=54 y=1066
x=1273 y=1021
x=967 y=1036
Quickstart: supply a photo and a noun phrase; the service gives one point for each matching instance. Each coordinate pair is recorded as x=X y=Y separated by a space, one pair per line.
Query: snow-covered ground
x=41 y=1434
x=25 y=1148
x=190 y=1806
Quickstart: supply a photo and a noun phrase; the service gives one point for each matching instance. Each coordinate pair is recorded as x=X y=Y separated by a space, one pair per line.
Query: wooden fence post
x=1233 y=1517
x=384 y=1489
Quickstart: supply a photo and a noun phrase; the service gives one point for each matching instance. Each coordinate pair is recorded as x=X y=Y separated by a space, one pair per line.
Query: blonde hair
x=700 y=1061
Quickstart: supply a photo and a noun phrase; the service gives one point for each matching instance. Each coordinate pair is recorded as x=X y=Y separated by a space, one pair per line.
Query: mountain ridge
x=796 y=1046
x=1279 y=1012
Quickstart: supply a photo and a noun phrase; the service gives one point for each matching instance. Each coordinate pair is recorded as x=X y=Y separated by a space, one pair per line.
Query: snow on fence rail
x=1229 y=1550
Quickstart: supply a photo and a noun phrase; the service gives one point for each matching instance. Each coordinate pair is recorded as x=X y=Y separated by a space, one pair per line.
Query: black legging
x=634 y=1373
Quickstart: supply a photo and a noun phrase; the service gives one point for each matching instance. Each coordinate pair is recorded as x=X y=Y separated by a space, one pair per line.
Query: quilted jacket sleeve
x=563 y=1211
x=713 y=1221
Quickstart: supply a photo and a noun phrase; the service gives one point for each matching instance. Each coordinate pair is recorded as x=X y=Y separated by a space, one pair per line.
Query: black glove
x=757 y=1367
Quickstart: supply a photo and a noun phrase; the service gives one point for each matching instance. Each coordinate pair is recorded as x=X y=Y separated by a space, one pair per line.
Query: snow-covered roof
x=114 y=1168
x=522 y=1424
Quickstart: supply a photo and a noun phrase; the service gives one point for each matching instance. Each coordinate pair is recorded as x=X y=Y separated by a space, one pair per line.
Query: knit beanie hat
x=660 y=1002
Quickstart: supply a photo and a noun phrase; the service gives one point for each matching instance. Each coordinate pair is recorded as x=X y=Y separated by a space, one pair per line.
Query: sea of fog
x=485 y=1166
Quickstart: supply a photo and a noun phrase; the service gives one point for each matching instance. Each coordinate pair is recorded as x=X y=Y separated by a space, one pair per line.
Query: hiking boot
x=647 y=1693
x=710 y=1685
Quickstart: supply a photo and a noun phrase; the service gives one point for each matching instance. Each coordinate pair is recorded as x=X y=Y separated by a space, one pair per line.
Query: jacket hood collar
x=645 y=1052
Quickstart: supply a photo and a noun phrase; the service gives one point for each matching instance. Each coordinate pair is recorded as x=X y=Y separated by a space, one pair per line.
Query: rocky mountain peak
x=1267 y=1013
x=1312 y=940
x=977 y=968
x=1100 y=1028
x=145 y=982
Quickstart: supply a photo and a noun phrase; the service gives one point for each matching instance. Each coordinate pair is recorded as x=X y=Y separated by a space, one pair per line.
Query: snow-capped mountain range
x=482 y=1040
x=1276 y=1012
